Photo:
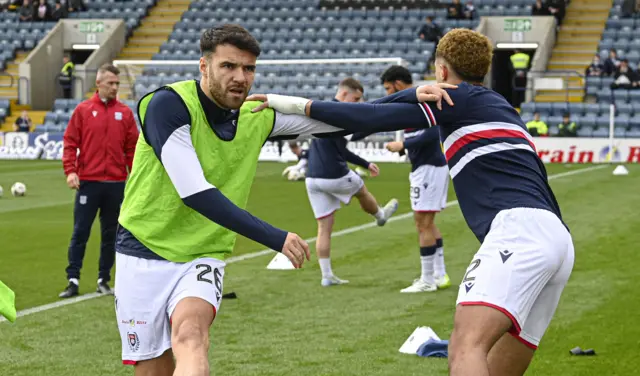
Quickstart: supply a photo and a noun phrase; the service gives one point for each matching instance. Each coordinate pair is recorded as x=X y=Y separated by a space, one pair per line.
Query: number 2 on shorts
x=474 y=265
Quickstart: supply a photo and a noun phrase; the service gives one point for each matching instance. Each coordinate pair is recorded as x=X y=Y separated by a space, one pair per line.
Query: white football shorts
x=326 y=195
x=521 y=269
x=429 y=187
x=148 y=291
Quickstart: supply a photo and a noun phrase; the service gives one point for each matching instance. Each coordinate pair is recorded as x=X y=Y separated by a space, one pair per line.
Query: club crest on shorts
x=134 y=341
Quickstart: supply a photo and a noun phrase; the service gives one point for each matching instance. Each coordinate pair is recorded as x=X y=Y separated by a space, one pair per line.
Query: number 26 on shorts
x=203 y=276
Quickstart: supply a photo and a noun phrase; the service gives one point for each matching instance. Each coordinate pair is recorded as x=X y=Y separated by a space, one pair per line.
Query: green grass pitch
x=285 y=323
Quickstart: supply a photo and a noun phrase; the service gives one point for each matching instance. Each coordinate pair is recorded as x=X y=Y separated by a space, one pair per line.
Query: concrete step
x=132 y=55
x=153 y=33
x=571 y=55
x=140 y=41
x=557 y=98
x=581 y=31
x=140 y=49
x=159 y=23
x=567 y=66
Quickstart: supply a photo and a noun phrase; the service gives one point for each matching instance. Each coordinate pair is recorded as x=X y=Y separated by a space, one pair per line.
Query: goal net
x=310 y=78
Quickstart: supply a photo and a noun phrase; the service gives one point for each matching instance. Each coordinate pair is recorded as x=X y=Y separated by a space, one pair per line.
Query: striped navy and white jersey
x=492 y=158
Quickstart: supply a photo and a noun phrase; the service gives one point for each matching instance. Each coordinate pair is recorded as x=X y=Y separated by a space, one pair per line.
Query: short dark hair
x=352 y=84
x=232 y=34
x=397 y=73
x=108 y=67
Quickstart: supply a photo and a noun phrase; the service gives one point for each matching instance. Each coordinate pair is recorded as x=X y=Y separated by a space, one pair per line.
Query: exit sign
x=517 y=24
x=91 y=27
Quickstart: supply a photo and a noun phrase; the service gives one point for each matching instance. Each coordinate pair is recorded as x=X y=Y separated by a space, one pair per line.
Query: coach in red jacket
x=98 y=149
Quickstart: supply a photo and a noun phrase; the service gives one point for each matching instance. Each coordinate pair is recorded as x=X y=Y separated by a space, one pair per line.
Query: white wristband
x=286 y=104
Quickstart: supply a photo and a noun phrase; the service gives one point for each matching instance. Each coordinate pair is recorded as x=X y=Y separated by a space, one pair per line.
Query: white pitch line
x=264 y=252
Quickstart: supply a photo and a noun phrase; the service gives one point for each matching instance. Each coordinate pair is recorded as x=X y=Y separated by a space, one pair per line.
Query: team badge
x=118 y=115
x=95 y=113
x=134 y=341
x=82 y=200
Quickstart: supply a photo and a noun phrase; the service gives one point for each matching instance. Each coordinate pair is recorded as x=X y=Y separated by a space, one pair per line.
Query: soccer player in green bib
x=184 y=205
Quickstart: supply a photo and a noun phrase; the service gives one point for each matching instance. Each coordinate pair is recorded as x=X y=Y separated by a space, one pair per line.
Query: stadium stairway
x=7 y=90
x=154 y=30
x=146 y=40
x=576 y=45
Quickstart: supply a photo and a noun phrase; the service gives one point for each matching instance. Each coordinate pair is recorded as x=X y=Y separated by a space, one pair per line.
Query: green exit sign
x=91 y=27
x=517 y=24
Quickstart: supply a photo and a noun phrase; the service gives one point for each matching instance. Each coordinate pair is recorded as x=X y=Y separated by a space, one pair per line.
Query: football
x=294 y=175
x=18 y=189
x=1 y=191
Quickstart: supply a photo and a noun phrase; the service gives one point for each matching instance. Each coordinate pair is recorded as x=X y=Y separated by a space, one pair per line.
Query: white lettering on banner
x=42 y=147
x=587 y=150
x=16 y=145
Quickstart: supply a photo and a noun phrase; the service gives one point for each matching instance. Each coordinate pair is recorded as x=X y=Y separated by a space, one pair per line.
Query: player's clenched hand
x=296 y=249
x=395 y=146
x=435 y=93
x=72 y=181
x=374 y=169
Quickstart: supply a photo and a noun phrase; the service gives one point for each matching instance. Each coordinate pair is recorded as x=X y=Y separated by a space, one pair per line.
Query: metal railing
x=565 y=75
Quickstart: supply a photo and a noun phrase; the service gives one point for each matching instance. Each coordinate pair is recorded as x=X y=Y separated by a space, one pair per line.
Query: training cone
x=621 y=170
x=280 y=262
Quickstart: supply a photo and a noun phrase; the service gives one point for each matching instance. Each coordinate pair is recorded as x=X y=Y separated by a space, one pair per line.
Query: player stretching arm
x=184 y=205
x=511 y=289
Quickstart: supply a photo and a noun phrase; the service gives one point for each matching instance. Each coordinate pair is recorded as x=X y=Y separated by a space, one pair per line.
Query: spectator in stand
x=540 y=9
x=26 y=11
x=557 y=8
x=59 y=12
x=596 y=68
x=625 y=77
x=42 y=11
x=430 y=32
x=630 y=8
x=454 y=11
x=612 y=63
x=537 y=127
x=76 y=6
x=23 y=123
x=567 y=128
x=470 y=11
x=105 y=131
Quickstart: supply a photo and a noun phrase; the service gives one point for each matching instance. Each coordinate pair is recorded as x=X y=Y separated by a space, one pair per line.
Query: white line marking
x=264 y=252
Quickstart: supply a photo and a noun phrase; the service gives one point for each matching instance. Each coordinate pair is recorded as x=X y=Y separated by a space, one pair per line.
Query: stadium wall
x=39 y=71
x=18 y=145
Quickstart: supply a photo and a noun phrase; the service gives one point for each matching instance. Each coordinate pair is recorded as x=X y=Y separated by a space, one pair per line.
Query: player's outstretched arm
x=167 y=131
x=356 y=117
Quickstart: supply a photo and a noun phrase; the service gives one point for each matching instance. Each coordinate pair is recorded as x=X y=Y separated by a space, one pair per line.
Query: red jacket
x=105 y=135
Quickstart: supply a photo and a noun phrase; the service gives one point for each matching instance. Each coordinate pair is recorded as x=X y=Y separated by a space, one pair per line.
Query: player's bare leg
x=190 y=324
x=323 y=250
x=369 y=204
x=160 y=366
x=476 y=330
x=509 y=357
x=426 y=235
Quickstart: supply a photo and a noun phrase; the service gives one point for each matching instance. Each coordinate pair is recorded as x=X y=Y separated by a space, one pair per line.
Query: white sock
x=427 y=268
x=379 y=214
x=74 y=281
x=439 y=263
x=325 y=267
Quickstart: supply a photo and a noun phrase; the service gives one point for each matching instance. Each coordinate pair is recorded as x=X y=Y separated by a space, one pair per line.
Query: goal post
x=310 y=78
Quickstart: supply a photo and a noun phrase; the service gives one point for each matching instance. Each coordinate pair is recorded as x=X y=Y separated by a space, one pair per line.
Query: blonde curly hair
x=468 y=52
